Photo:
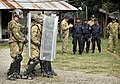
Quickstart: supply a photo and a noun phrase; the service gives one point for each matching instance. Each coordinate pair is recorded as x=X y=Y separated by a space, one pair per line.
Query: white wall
x=0 y=26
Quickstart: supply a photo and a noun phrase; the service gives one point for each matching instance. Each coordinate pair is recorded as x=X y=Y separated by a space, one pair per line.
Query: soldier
x=41 y=23
x=96 y=31
x=16 y=41
x=47 y=67
x=112 y=28
x=65 y=33
x=35 y=46
x=86 y=36
x=77 y=36
x=91 y=22
x=36 y=33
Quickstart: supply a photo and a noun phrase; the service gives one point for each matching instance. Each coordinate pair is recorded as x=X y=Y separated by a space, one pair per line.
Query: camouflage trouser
x=112 y=43
x=65 y=44
x=35 y=51
x=15 y=48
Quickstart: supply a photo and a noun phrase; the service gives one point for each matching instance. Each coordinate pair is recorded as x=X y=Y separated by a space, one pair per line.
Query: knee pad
x=18 y=58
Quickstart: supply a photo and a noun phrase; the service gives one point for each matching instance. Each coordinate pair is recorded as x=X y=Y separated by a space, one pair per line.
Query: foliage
x=111 y=6
x=97 y=63
x=95 y=5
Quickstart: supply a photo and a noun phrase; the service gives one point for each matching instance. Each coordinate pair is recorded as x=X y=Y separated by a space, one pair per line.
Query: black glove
x=26 y=41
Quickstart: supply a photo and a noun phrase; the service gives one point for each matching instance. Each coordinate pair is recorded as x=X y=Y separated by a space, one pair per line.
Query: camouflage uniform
x=16 y=38
x=35 y=46
x=16 y=47
x=113 y=35
x=65 y=34
x=90 y=22
x=16 y=41
x=35 y=40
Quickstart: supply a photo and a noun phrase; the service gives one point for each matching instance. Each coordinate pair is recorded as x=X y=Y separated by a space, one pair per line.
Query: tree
x=95 y=5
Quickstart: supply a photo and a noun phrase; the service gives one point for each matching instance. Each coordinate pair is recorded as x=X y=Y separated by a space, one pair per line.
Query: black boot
x=74 y=53
x=12 y=68
x=50 y=69
x=17 y=70
x=41 y=65
x=80 y=53
x=47 y=72
x=11 y=77
x=29 y=72
x=10 y=72
x=45 y=68
x=53 y=73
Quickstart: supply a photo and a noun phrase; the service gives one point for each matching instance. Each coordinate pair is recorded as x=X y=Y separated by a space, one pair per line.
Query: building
x=42 y=6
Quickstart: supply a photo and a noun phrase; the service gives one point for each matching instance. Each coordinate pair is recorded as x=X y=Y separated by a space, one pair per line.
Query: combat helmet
x=18 y=13
x=36 y=17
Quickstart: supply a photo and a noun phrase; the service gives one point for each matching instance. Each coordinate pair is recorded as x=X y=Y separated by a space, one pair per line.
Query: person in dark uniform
x=86 y=36
x=96 y=31
x=77 y=34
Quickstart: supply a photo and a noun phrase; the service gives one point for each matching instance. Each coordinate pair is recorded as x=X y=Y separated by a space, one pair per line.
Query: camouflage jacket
x=64 y=28
x=14 y=29
x=113 y=28
x=36 y=34
x=90 y=22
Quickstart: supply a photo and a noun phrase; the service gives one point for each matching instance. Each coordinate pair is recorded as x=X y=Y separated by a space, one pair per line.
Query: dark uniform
x=86 y=36
x=96 y=31
x=77 y=34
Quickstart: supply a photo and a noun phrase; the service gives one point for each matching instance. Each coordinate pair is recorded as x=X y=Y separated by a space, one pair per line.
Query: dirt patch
x=64 y=77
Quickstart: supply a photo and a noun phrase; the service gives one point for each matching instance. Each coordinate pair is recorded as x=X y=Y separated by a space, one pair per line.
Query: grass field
x=101 y=63
x=95 y=63
x=4 y=45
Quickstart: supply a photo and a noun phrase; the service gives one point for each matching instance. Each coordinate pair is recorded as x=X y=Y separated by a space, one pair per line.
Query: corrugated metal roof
x=36 y=4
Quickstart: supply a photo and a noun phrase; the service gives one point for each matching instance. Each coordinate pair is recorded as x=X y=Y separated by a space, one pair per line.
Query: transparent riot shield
x=29 y=35
x=49 y=36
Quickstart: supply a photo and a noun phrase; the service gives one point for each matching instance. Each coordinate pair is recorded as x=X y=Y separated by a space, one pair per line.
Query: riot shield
x=49 y=36
x=29 y=35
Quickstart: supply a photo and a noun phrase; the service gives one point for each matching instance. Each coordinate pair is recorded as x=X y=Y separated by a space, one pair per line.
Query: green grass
x=97 y=63
x=4 y=44
x=101 y=63
x=118 y=48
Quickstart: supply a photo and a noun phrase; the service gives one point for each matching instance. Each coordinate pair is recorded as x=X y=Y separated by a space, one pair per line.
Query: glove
x=26 y=41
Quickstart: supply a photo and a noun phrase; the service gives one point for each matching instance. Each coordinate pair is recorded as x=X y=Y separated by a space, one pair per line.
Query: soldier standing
x=15 y=42
x=112 y=28
x=65 y=33
x=46 y=66
x=35 y=46
x=86 y=36
x=77 y=36
x=91 y=22
x=96 y=31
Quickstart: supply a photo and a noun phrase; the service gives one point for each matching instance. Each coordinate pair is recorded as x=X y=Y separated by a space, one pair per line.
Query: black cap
x=93 y=16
